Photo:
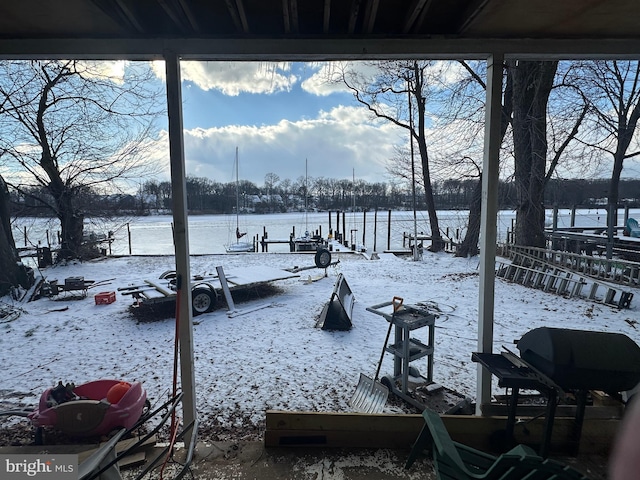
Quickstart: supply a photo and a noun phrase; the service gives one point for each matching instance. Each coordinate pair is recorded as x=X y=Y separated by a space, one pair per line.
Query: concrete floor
x=240 y=461
x=251 y=460
x=227 y=460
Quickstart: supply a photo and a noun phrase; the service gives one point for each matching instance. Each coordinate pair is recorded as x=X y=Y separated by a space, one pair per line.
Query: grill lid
x=583 y=360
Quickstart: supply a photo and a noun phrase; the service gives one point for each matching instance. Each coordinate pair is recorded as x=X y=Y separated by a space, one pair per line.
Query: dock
x=593 y=241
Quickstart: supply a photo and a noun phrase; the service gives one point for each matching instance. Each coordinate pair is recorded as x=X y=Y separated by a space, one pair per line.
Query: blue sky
x=280 y=115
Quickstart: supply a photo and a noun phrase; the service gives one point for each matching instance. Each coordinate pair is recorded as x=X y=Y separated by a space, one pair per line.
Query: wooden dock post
x=626 y=214
x=344 y=229
x=364 y=226
x=129 y=235
x=265 y=237
x=573 y=216
x=389 y=231
x=375 y=229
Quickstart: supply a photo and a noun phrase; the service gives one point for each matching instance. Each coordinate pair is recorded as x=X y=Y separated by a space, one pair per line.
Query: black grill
x=583 y=360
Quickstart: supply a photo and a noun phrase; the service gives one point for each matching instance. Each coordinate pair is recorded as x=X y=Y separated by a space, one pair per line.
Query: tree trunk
x=436 y=238
x=11 y=270
x=612 y=200
x=532 y=82
x=469 y=246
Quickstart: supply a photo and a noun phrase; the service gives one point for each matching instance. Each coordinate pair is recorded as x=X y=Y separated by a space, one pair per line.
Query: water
x=209 y=234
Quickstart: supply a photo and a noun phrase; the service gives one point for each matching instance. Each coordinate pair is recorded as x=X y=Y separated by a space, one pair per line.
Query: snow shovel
x=371 y=395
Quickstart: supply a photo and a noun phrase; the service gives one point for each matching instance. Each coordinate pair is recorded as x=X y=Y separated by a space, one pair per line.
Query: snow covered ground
x=272 y=357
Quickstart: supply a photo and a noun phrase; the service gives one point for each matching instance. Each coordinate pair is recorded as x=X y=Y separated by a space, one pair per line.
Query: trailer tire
x=323 y=258
x=169 y=274
x=203 y=300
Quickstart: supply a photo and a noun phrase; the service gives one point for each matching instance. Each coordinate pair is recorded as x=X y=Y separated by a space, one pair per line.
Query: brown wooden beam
x=357 y=430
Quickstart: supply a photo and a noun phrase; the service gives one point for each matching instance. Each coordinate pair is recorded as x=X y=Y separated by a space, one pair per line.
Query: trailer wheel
x=323 y=258
x=203 y=300
x=169 y=274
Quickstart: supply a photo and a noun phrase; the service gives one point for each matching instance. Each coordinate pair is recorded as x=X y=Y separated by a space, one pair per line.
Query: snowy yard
x=272 y=357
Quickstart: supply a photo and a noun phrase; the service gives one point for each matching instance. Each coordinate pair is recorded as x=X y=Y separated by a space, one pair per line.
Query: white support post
x=181 y=237
x=488 y=237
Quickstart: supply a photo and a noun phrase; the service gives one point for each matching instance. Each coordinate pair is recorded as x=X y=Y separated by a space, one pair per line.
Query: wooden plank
x=165 y=291
x=279 y=420
x=602 y=411
x=357 y=430
x=132 y=460
x=120 y=446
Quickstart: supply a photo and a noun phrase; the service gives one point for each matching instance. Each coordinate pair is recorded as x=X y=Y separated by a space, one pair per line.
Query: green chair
x=455 y=461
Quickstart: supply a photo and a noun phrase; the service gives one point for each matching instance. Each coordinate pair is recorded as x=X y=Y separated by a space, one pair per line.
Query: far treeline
x=205 y=196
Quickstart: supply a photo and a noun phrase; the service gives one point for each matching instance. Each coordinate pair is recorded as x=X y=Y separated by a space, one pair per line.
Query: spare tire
x=323 y=258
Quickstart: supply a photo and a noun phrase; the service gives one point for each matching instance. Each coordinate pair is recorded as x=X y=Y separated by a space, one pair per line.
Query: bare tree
x=68 y=126
x=384 y=90
x=614 y=89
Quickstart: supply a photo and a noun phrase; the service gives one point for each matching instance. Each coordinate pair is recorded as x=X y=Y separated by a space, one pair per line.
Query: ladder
x=537 y=273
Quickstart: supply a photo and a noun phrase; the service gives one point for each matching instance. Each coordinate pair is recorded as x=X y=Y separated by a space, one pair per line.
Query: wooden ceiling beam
x=190 y=16
x=177 y=15
x=243 y=16
x=235 y=16
x=121 y=14
x=417 y=26
x=370 y=14
x=470 y=14
x=412 y=15
x=353 y=16
x=326 y=16
x=286 y=16
x=293 y=11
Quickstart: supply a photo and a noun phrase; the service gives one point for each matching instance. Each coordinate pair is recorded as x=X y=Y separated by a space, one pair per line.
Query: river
x=208 y=234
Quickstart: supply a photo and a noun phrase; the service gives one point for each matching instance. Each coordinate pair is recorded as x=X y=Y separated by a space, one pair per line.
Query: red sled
x=94 y=408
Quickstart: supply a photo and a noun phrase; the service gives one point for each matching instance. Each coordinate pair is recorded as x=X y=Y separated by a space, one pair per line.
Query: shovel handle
x=397 y=303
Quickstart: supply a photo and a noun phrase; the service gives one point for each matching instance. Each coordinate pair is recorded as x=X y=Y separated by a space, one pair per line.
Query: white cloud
x=233 y=78
x=335 y=142
x=325 y=80
x=114 y=70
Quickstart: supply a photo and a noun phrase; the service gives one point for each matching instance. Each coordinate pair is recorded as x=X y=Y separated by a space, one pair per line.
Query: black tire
x=323 y=258
x=203 y=300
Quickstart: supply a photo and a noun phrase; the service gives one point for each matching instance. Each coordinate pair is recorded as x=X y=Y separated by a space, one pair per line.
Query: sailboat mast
x=237 y=197
x=306 y=197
